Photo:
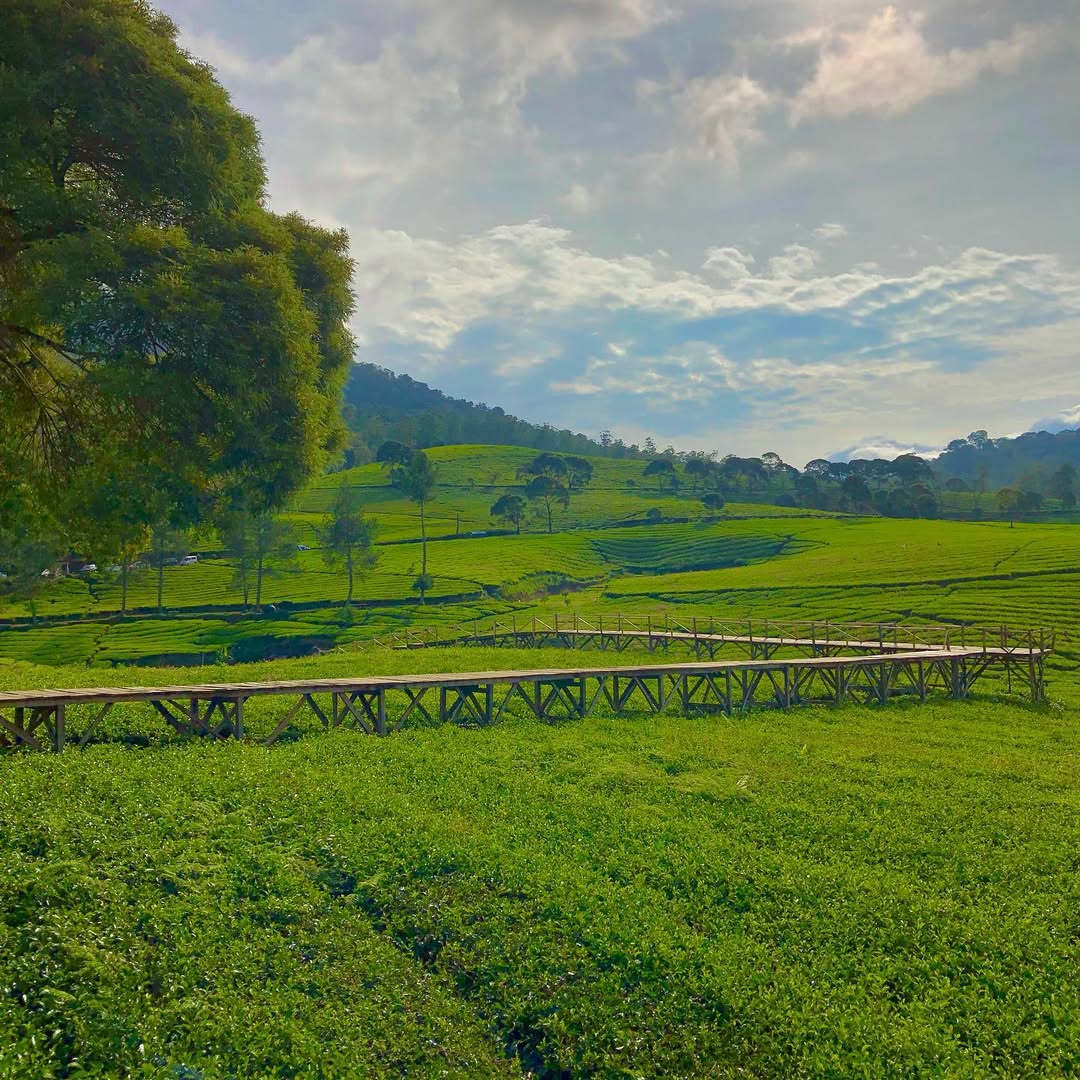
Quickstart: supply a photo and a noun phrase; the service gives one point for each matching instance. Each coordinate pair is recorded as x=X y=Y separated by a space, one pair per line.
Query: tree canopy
x=511 y=509
x=152 y=311
x=549 y=493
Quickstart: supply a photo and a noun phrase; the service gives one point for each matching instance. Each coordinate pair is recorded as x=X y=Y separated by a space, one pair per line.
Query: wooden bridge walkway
x=41 y=719
x=757 y=639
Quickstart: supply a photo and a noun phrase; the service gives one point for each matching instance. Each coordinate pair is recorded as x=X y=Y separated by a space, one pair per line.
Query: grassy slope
x=826 y=893
x=470 y=480
x=860 y=569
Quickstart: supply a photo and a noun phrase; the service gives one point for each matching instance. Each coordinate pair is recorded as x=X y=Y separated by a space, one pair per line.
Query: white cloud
x=880 y=446
x=797 y=261
x=425 y=127
x=729 y=263
x=428 y=291
x=887 y=66
x=726 y=112
x=581 y=199
x=1065 y=420
x=440 y=89
x=830 y=230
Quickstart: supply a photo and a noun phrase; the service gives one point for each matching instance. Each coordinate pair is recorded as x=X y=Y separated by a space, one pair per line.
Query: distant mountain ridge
x=382 y=405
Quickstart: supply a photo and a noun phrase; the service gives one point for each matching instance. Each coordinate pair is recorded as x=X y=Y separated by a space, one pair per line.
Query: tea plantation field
x=471 y=479
x=824 y=892
x=850 y=569
x=873 y=892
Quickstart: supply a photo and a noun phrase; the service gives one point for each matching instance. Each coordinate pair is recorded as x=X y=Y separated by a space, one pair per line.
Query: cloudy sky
x=739 y=225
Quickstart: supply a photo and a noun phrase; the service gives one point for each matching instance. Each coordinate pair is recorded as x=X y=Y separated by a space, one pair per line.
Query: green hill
x=380 y=405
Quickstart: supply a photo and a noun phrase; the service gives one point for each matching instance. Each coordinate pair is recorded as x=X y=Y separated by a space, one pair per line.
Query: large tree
x=697 y=467
x=511 y=509
x=546 y=464
x=150 y=305
x=662 y=468
x=579 y=471
x=549 y=493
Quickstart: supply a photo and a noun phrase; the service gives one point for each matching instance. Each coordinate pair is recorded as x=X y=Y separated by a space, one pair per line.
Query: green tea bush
x=819 y=893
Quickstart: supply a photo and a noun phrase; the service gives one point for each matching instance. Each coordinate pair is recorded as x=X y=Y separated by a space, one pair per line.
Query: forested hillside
x=1029 y=462
x=380 y=405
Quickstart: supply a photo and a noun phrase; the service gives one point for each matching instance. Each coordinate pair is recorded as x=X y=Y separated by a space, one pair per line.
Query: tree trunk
x=160 y=579
x=349 y=568
x=517 y=526
x=124 y=565
x=549 y=518
x=258 y=582
x=423 y=552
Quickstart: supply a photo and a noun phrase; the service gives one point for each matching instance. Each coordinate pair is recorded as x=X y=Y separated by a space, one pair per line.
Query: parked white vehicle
x=189 y=560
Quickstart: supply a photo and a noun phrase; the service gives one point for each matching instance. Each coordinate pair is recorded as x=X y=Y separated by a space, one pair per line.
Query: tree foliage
x=548 y=493
x=260 y=545
x=417 y=479
x=512 y=509
x=382 y=405
x=662 y=468
x=150 y=306
x=579 y=471
x=547 y=464
x=392 y=455
x=348 y=538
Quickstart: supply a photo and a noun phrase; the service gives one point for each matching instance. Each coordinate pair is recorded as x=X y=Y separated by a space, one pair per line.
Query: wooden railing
x=825 y=633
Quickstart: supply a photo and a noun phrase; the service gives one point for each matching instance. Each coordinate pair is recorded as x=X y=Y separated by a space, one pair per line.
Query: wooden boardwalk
x=756 y=639
x=41 y=719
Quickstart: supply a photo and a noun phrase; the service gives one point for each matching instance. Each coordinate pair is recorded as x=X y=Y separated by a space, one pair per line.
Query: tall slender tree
x=417 y=479
x=167 y=545
x=260 y=545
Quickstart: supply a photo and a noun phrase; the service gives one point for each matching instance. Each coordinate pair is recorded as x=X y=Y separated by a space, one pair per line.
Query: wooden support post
x=238 y=718
x=956 y=688
x=1035 y=677
x=380 y=712
x=58 y=733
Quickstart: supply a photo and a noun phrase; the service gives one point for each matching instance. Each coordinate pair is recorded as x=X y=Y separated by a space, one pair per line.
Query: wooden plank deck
x=118 y=694
x=38 y=718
